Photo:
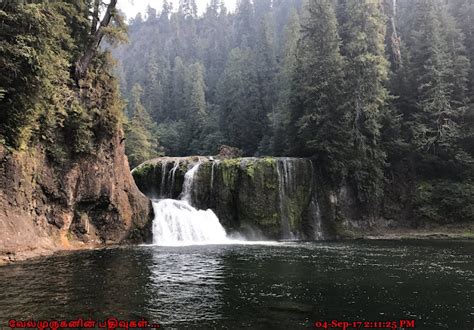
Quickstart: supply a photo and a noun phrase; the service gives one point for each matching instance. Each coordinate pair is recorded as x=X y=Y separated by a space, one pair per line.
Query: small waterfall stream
x=186 y=195
x=172 y=175
x=163 y=178
x=178 y=223
x=285 y=184
x=212 y=175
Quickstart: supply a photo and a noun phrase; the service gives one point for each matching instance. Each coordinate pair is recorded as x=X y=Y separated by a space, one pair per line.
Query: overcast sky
x=132 y=7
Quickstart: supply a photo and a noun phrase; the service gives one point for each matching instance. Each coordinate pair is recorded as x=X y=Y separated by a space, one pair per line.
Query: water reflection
x=185 y=284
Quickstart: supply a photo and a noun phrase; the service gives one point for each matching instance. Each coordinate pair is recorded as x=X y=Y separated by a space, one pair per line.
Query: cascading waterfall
x=163 y=178
x=178 y=223
x=286 y=181
x=292 y=199
x=186 y=195
x=287 y=186
x=173 y=175
x=212 y=175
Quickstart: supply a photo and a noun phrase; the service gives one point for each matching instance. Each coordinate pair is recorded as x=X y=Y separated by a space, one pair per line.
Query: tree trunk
x=84 y=61
x=95 y=16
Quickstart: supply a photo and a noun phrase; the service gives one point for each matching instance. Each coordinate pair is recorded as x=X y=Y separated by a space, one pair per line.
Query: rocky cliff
x=259 y=197
x=88 y=202
x=286 y=198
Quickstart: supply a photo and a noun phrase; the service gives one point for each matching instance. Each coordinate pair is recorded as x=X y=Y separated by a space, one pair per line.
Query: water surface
x=278 y=286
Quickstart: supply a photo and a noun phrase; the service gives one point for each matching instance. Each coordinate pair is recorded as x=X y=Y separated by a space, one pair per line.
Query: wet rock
x=258 y=197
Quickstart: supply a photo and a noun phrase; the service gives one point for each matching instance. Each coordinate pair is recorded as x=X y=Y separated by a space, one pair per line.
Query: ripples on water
x=284 y=285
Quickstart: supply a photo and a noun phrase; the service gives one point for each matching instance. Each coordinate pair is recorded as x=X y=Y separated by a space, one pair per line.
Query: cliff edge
x=92 y=201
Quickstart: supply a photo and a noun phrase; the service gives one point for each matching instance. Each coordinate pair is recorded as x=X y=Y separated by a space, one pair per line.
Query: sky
x=132 y=7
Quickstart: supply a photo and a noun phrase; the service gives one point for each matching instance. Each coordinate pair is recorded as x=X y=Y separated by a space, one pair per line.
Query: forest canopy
x=373 y=90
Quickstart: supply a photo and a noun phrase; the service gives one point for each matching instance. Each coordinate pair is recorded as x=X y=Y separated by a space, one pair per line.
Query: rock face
x=259 y=197
x=89 y=202
x=285 y=198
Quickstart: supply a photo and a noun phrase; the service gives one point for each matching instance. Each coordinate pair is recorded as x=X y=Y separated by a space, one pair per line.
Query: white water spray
x=177 y=223
x=186 y=195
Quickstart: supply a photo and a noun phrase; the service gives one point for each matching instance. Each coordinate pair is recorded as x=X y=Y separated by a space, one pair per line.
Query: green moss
x=230 y=171
x=468 y=234
x=269 y=161
x=143 y=170
x=231 y=162
x=250 y=170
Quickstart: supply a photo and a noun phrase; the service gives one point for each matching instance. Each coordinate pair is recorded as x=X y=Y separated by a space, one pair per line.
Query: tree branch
x=84 y=61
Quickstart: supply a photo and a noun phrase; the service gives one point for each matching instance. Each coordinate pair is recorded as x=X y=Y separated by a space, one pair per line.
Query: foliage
x=365 y=87
x=199 y=72
x=444 y=202
x=141 y=132
x=40 y=103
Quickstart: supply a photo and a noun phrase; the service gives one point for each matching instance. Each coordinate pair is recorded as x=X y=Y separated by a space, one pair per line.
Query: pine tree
x=153 y=94
x=196 y=113
x=239 y=101
x=244 y=31
x=438 y=72
x=318 y=126
x=178 y=89
x=188 y=8
x=266 y=72
x=141 y=132
x=362 y=29
x=280 y=120
x=463 y=12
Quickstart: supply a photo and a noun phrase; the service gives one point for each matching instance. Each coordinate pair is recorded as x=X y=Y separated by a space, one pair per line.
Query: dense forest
x=379 y=93
x=57 y=88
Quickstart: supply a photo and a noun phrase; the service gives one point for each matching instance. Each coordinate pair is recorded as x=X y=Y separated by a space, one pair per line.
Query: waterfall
x=212 y=175
x=172 y=175
x=186 y=195
x=285 y=182
x=178 y=223
x=163 y=177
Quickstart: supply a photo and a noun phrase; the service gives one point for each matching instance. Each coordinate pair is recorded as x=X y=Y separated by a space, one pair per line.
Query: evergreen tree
x=244 y=29
x=141 y=133
x=188 y=8
x=154 y=93
x=280 y=120
x=463 y=12
x=196 y=113
x=179 y=89
x=239 y=100
x=438 y=72
x=362 y=29
x=266 y=72
x=318 y=125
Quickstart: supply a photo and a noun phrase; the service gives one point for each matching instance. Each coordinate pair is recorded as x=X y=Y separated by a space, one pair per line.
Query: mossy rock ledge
x=272 y=198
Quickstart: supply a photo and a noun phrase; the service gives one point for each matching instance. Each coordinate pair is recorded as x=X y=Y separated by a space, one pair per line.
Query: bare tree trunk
x=84 y=61
x=390 y=8
x=95 y=16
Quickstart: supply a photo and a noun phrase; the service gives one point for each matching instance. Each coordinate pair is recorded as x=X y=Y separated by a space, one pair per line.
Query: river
x=261 y=286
